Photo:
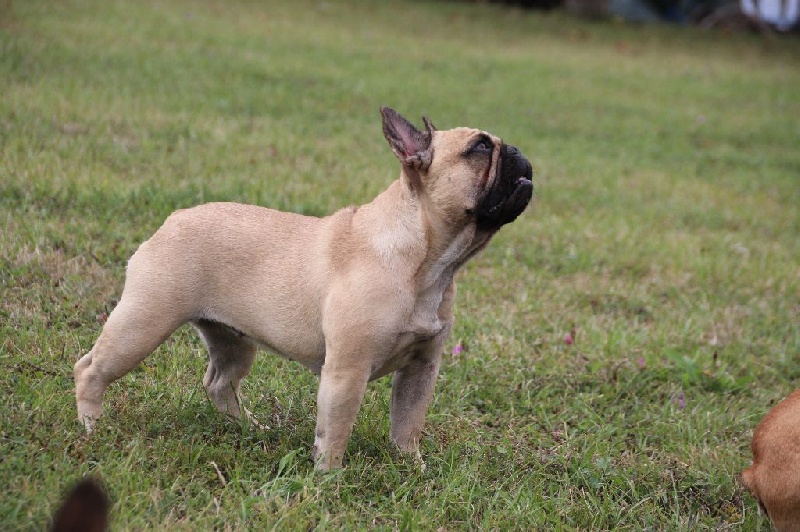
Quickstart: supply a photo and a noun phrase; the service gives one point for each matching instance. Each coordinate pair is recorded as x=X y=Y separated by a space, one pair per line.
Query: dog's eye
x=482 y=145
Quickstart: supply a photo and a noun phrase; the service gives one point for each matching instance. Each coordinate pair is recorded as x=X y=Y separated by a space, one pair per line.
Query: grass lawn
x=664 y=237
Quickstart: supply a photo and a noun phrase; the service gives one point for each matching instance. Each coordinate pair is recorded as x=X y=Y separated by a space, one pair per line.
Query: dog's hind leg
x=231 y=356
x=133 y=331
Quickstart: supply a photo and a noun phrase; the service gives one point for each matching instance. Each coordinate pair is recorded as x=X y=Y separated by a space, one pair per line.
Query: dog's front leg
x=412 y=391
x=413 y=385
x=341 y=390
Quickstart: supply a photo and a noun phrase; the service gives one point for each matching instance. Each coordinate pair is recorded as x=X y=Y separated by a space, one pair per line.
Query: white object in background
x=783 y=14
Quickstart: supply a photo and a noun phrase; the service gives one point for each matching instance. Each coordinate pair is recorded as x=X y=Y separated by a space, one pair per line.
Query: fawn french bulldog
x=353 y=296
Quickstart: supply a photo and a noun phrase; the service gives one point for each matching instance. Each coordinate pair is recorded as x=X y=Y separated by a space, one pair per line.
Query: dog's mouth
x=509 y=193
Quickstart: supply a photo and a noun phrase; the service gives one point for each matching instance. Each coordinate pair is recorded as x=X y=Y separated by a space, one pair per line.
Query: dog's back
x=85 y=509
x=774 y=477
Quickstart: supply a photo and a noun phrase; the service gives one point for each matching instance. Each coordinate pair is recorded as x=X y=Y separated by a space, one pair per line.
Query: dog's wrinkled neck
x=415 y=237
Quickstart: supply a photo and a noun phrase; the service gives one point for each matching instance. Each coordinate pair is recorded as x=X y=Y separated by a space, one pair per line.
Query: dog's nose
x=517 y=164
x=528 y=173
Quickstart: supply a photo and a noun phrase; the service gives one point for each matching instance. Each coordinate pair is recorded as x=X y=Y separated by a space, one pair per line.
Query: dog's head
x=466 y=175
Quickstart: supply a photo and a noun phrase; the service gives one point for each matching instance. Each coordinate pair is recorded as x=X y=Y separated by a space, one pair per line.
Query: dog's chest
x=421 y=328
x=408 y=347
x=424 y=321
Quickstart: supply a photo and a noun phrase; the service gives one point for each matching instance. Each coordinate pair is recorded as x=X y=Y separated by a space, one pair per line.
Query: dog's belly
x=312 y=357
x=288 y=332
x=307 y=349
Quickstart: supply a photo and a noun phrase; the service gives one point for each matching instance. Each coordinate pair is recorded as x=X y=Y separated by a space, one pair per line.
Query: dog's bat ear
x=428 y=125
x=409 y=144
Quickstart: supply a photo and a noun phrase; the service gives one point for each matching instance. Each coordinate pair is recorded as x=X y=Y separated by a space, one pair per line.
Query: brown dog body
x=774 y=477
x=353 y=296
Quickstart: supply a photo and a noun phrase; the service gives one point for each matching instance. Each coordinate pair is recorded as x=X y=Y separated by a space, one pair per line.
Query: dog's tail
x=748 y=480
x=85 y=508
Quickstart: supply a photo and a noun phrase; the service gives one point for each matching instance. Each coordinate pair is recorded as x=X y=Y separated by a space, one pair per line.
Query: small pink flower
x=102 y=318
x=457 y=349
x=679 y=399
x=640 y=362
x=568 y=339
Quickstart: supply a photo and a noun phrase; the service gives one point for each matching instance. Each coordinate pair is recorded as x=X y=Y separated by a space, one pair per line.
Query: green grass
x=665 y=233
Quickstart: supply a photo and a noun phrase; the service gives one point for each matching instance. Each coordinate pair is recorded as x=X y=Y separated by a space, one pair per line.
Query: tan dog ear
x=410 y=145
